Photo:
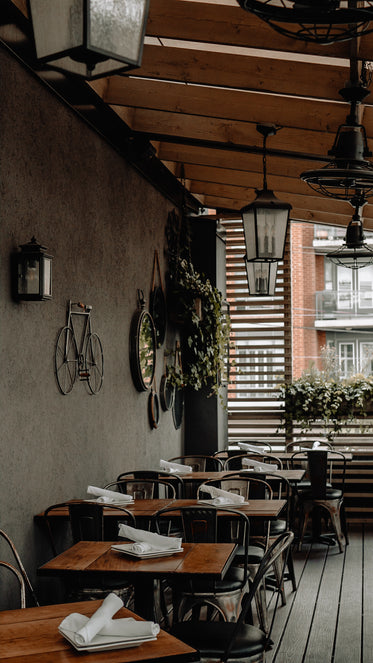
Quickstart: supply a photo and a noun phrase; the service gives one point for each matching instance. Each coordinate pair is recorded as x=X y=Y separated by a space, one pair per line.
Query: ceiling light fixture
x=354 y=253
x=89 y=38
x=261 y=277
x=348 y=171
x=318 y=21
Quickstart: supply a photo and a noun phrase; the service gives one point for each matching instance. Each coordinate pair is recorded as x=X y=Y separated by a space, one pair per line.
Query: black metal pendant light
x=318 y=21
x=354 y=253
x=348 y=171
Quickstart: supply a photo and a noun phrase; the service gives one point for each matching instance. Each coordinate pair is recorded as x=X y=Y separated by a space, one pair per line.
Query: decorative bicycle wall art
x=79 y=351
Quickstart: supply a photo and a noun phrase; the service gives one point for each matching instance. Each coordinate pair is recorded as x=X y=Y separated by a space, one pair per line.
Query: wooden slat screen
x=261 y=333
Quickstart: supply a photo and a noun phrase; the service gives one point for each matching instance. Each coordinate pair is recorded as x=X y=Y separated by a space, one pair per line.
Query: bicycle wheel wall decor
x=66 y=360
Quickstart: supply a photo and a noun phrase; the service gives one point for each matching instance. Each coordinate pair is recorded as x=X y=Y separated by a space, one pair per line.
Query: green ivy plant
x=206 y=331
x=318 y=396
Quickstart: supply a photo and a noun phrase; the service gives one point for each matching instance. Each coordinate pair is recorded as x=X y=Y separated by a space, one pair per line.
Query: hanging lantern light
x=265 y=220
x=89 y=38
x=348 y=171
x=261 y=277
x=354 y=253
x=318 y=21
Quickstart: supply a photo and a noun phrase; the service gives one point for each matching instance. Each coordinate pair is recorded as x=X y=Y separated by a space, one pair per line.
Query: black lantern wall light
x=318 y=21
x=89 y=38
x=265 y=223
x=32 y=272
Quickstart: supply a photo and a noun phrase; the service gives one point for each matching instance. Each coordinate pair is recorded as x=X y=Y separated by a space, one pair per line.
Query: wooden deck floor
x=329 y=619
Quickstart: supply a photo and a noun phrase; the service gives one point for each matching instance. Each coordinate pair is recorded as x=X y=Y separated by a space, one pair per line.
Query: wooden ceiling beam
x=206 y=22
x=230 y=104
x=262 y=74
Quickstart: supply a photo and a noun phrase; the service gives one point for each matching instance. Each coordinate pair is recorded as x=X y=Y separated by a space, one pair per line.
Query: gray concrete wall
x=102 y=222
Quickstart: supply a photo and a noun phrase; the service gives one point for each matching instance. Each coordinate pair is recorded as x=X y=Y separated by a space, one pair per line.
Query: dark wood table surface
x=148 y=508
x=293 y=476
x=96 y=557
x=31 y=636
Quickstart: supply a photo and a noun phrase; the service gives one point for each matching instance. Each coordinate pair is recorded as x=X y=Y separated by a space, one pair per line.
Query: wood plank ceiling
x=210 y=73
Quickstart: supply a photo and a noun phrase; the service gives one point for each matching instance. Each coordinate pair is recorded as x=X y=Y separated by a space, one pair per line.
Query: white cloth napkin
x=259 y=467
x=108 y=496
x=251 y=447
x=83 y=629
x=155 y=541
x=224 y=496
x=174 y=467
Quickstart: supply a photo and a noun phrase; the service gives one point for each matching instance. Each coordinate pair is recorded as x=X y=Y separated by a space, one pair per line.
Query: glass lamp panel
x=261 y=277
x=248 y=218
x=29 y=276
x=58 y=26
x=116 y=27
x=271 y=229
x=47 y=277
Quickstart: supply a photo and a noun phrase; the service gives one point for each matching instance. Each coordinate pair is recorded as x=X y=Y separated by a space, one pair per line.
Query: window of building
x=346 y=359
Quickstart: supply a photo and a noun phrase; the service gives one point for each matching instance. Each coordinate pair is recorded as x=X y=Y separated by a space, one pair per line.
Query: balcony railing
x=342 y=304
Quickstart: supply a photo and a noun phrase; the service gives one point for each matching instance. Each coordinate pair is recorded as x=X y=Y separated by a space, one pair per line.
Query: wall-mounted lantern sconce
x=32 y=272
x=89 y=38
x=261 y=277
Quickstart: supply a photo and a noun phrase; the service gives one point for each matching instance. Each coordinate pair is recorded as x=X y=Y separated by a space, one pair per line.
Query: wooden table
x=148 y=508
x=293 y=476
x=96 y=557
x=31 y=636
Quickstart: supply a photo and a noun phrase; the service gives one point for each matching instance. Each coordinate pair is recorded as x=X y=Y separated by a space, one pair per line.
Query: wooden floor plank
x=321 y=641
x=294 y=639
x=348 y=635
x=367 y=654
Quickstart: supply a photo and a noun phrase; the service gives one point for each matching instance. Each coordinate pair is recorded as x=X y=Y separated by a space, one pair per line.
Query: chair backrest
x=199 y=462
x=144 y=489
x=238 y=484
x=320 y=467
x=299 y=445
x=208 y=524
x=175 y=480
x=87 y=521
x=236 y=462
x=4 y=536
x=18 y=575
x=278 y=550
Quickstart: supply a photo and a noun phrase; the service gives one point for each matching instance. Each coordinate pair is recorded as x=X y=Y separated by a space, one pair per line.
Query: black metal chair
x=207 y=524
x=322 y=496
x=236 y=462
x=143 y=489
x=226 y=641
x=19 y=566
x=159 y=475
x=87 y=523
x=18 y=575
x=199 y=462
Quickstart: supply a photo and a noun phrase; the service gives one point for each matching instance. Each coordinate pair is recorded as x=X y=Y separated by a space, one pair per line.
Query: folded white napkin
x=83 y=629
x=174 y=467
x=229 y=498
x=259 y=467
x=108 y=496
x=219 y=501
x=251 y=447
x=156 y=541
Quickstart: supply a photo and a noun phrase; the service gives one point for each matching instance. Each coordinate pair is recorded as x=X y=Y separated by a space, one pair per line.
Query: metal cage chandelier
x=354 y=253
x=318 y=21
x=348 y=171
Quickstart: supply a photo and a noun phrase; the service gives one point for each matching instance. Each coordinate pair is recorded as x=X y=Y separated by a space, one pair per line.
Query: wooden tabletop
x=286 y=455
x=31 y=636
x=291 y=475
x=210 y=559
x=148 y=508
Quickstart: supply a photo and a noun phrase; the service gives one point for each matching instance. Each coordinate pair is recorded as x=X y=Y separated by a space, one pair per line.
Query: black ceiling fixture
x=355 y=252
x=318 y=21
x=348 y=171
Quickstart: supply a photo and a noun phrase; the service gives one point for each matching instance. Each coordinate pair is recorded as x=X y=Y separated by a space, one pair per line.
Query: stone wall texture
x=61 y=182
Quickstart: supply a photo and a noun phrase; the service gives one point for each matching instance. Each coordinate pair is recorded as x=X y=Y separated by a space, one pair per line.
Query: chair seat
x=211 y=638
x=277 y=527
x=232 y=582
x=331 y=494
x=255 y=555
